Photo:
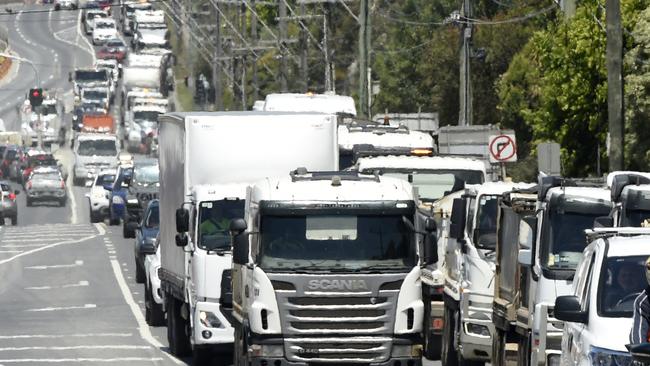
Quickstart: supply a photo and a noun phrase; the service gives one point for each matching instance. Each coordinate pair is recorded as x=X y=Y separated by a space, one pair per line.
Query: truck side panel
x=172 y=192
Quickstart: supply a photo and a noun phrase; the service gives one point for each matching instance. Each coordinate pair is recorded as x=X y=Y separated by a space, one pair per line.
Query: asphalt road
x=68 y=293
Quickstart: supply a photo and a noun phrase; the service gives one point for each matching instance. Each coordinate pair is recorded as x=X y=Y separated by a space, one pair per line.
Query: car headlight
x=150 y=241
x=607 y=357
x=117 y=200
x=132 y=201
x=209 y=319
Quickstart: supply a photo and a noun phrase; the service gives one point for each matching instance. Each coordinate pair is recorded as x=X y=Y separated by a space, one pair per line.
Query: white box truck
x=206 y=162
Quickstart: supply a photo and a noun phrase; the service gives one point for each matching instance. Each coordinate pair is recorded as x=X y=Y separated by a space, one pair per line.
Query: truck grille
x=337 y=326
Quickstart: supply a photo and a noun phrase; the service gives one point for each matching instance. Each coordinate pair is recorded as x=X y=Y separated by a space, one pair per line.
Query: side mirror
x=525 y=257
x=604 y=221
x=458 y=218
x=239 y=241
x=181 y=240
x=182 y=220
x=430 y=248
x=430 y=225
x=567 y=308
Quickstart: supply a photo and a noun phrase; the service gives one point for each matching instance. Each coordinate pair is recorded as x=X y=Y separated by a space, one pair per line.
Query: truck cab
x=326 y=270
x=564 y=211
x=631 y=198
x=92 y=153
x=469 y=257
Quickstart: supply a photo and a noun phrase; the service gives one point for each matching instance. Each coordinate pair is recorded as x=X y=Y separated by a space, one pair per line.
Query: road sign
x=503 y=149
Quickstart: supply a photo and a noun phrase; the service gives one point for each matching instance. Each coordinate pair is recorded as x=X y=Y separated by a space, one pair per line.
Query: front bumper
x=224 y=334
x=477 y=326
x=99 y=205
x=86 y=172
x=46 y=195
x=257 y=357
x=9 y=210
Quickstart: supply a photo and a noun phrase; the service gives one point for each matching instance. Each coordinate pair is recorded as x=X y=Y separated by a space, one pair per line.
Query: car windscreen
x=105 y=179
x=46 y=176
x=95 y=94
x=90 y=76
x=153 y=220
x=335 y=243
x=622 y=280
x=97 y=147
x=145 y=116
x=104 y=25
x=116 y=44
x=5 y=187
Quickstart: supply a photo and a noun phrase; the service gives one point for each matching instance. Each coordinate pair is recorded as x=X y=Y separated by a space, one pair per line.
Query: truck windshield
x=565 y=238
x=145 y=116
x=95 y=94
x=214 y=223
x=91 y=76
x=146 y=174
x=635 y=218
x=434 y=184
x=346 y=243
x=622 y=280
x=486 y=221
x=97 y=147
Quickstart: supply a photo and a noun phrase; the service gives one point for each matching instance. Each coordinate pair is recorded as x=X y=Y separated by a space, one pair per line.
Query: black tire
x=57 y=7
x=432 y=343
x=140 y=275
x=62 y=202
x=498 y=348
x=202 y=356
x=154 y=314
x=14 y=220
x=179 y=343
x=76 y=181
x=126 y=232
x=28 y=202
x=95 y=217
x=449 y=354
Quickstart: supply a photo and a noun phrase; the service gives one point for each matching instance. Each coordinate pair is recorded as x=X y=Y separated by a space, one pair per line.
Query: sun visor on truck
x=548 y=182
x=561 y=203
x=621 y=181
x=638 y=198
x=281 y=208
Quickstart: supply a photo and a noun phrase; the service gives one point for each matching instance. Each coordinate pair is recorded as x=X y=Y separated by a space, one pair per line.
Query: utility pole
x=216 y=63
x=465 y=115
x=364 y=56
x=254 y=41
x=242 y=30
x=187 y=40
x=615 y=84
x=282 y=10
x=326 y=51
x=304 y=66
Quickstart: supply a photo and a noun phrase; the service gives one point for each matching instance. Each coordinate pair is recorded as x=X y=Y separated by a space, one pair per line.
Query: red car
x=113 y=49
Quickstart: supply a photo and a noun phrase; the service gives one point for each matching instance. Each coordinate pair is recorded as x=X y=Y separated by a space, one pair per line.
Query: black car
x=143 y=188
x=145 y=238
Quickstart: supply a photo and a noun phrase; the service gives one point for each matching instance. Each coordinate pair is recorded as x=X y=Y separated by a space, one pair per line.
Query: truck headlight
x=408 y=350
x=600 y=357
x=209 y=319
x=267 y=350
x=477 y=329
x=117 y=200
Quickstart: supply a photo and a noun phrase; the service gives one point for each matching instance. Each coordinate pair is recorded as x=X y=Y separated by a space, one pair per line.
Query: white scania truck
x=206 y=162
x=326 y=271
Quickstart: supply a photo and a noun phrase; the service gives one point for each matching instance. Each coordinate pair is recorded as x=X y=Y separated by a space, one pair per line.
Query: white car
x=598 y=316
x=98 y=196
x=112 y=66
x=103 y=30
x=89 y=19
x=153 y=302
x=66 y=4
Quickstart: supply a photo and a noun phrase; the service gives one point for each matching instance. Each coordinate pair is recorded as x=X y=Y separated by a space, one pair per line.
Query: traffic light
x=36 y=97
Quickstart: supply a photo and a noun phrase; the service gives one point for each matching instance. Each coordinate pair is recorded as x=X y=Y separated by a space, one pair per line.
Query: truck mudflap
x=477 y=326
x=546 y=336
x=335 y=351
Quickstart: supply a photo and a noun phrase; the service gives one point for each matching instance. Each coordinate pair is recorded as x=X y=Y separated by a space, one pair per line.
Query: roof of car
x=621 y=246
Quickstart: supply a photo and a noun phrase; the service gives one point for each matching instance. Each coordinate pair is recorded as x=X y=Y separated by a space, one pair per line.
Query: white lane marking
x=143 y=328
x=76 y=335
x=85 y=306
x=73 y=203
x=53 y=245
x=101 y=228
x=24 y=239
x=122 y=360
x=80 y=284
x=10 y=251
x=90 y=48
x=67 y=348
x=75 y=264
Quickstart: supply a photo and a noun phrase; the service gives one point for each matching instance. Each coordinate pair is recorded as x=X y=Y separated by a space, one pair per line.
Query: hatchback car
x=598 y=316
x=154 y=312
x=9 y=205
x=98 y=195
x=46 y=185
x=11 y=159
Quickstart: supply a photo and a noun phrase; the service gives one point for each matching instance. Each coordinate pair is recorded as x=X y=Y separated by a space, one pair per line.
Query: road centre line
x=85 y=306
x=143 y=327
x=122 y=360
x=77 y=263
x=79 y=284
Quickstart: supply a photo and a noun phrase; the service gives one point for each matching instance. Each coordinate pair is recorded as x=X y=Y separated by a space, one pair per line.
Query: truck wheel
x=523 y=351
x=62 y=202
x=449 y=356
x=498 y=348
x=432 y=342
x=179 y=343
x=154 y=314
x=201 y=356
x=28 y=202
x=126 y=232
x=94 y=217
x=140 y=276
